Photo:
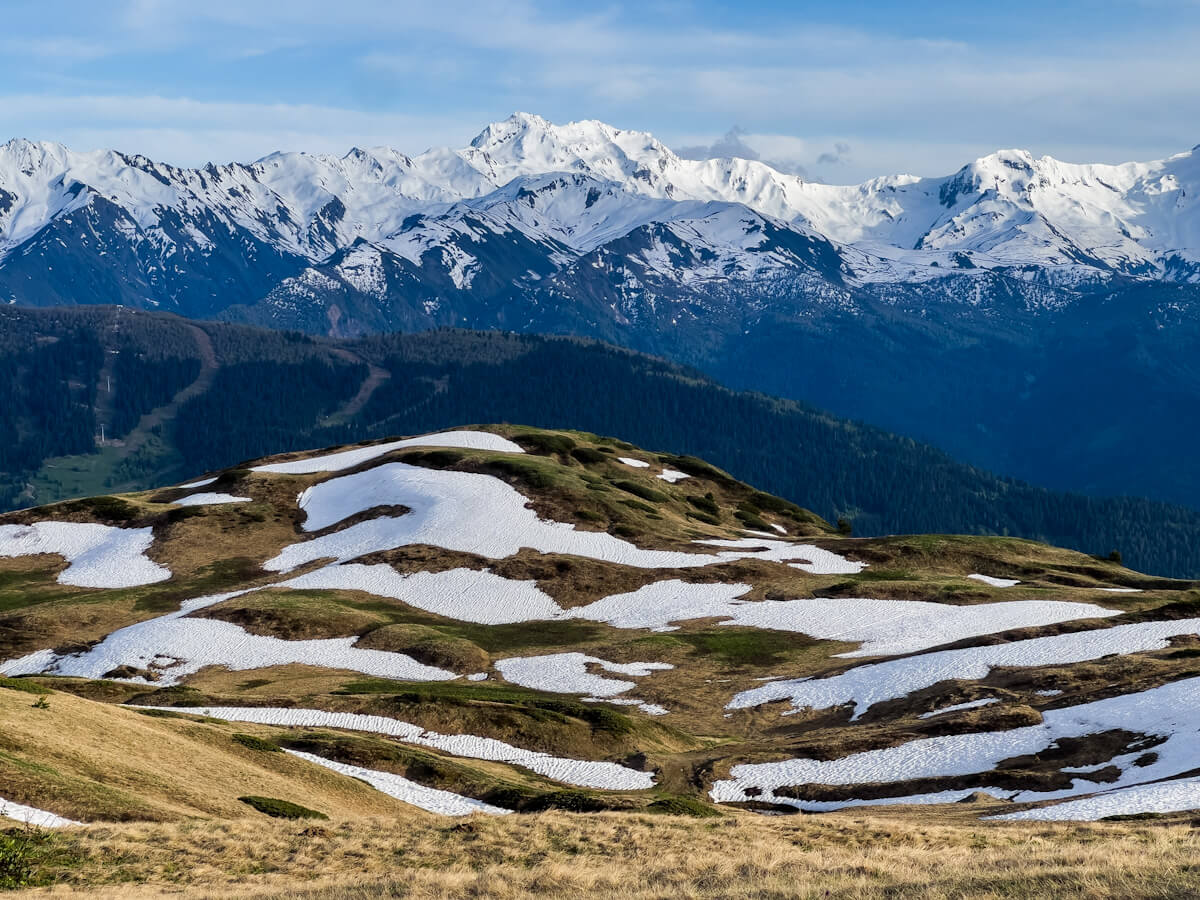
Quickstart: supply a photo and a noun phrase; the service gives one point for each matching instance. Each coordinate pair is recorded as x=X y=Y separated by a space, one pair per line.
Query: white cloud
x=191 y=132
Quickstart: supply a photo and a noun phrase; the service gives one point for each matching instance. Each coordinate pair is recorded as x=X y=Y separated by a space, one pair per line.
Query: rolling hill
x=516 y=623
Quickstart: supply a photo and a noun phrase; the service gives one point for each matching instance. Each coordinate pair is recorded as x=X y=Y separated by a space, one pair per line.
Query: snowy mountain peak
x=540 y=193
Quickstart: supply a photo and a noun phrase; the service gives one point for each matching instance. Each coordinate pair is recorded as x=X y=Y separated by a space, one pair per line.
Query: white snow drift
x=348 y=459
x=433 y=800
x=870 y=684
x=174 y=646
x=1168 y=715
x=30 y=815
x=100 y=556
x=958 y=707
x=464 y=594
x=577 y=772
x=1163 y=797
x=883 y=627
x=672 y=475
x=475 y=513
x=209 y=499
x=566 y=673
x=995 y=582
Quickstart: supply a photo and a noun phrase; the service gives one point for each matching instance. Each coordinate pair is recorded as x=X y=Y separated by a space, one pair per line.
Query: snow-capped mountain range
x=531 y=213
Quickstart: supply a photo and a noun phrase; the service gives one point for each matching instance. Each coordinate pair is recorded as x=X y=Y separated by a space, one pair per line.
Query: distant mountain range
x=1003 y=312
x=528 y=202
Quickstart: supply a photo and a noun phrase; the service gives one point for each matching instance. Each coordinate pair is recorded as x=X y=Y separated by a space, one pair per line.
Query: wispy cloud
x=245 y=77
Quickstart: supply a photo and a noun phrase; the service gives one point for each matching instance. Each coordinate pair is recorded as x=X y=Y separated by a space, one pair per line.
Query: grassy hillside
x=175 y=398
x=305 y=671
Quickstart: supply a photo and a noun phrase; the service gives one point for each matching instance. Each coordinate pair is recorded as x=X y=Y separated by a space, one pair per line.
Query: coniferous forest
x=66 y=373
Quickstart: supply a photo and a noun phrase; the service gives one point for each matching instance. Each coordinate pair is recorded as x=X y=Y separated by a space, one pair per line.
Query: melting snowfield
x=867 y=685
x=209 y=499
x=995 y=582
x=464 y=594
x=1169 y=715
x=348 y=459
x=578 y=772
x=567 y=673
x=475 y=513
x=99 y=556
x=1164 y=797
x=883 y=627
x=30 y=815
x=433 y=800
x=959 y=707
x=174 y=646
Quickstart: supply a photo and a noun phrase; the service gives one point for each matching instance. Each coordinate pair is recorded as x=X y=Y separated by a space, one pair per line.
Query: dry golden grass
x=88 y=760
x=558 y=855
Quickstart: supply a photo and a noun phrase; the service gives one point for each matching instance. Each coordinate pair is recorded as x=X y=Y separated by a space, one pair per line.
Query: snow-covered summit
x=238 y=231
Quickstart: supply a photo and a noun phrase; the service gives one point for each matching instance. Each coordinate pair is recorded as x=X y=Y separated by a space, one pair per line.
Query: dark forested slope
x=240 y=392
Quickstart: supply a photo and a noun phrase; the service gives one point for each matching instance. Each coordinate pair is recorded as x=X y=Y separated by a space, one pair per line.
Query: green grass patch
x=218 y=575
x=160 y=713
x=538 y=472
x=253 y=683
x=281 y=809
x=30 y=587
x=569 y=801
x=589 y=455
x=751 y=520
x=21 y=684
x=746 y=646
x=28 y=855
x=638 y=505
x=641 y=490
x=545 y=443
x=251 y=742
x=676 y=805
x=493 y=638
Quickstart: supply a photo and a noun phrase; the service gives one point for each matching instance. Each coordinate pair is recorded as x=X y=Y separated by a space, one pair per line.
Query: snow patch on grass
x=577 y=772
x=995 y=582
x=464 y=594
x=475 y=513
x=204 y=482
x=635 y=463
x=99 y=556
x=443 y=803
x=867 y=685
x=970 y=704
x=348 y=459
x=208 y=499
x=883 y=627
x=1168 y=713
x=1164 y=797
x=174 y=646
x=567 y=673
x=31 y=815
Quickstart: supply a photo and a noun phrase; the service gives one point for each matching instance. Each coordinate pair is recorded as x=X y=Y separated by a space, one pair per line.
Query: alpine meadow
x=604 y=501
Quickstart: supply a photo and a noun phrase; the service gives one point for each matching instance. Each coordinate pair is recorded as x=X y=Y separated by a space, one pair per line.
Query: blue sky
x=839 y=91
